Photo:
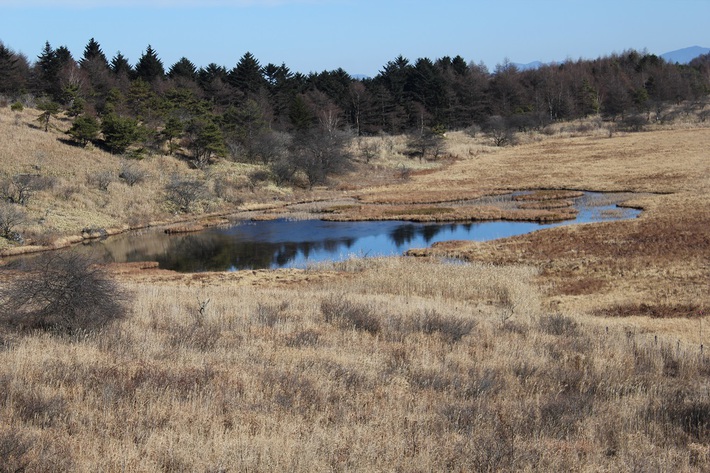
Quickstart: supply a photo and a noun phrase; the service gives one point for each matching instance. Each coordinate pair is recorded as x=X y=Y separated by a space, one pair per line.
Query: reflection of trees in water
x=218 y=252
x=406 y=233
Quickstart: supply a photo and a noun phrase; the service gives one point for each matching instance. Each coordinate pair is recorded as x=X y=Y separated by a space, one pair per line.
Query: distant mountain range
x=681 y=56
x=685 y=55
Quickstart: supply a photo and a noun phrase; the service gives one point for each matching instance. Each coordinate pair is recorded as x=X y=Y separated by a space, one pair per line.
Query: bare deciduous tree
x=62 y=292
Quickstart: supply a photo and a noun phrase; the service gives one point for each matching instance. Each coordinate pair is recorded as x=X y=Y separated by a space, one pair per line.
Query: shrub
x=450 y=328
x=18 y=189
x=131 y=174
x=11 y=215
x=558 y=324
x=348 y=314
x=15 y=450
x=182 y=193
x=101 y=180
x=59 y=292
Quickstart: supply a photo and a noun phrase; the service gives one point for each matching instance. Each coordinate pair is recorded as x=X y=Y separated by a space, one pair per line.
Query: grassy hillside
x=577 y=348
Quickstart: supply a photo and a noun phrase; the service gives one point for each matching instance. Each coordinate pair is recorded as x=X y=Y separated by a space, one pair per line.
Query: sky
x=360 y=36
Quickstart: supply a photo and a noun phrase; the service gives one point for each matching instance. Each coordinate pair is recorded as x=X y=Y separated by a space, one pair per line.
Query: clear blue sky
x=358 y=35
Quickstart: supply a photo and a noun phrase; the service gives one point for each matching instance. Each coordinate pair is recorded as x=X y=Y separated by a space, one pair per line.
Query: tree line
x=259 y=113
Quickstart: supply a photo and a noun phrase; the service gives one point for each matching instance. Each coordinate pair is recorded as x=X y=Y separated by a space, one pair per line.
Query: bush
x=64 y=293
x=11 y=215
x=19 y=188
x=101 y=180
x=558 y=324
x=182 y=193
x=131 y=174
x=347 y=314
x=450 y=328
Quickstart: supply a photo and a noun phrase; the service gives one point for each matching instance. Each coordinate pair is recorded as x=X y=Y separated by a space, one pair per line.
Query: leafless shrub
x=270 y=314
x=11 y=215
x=558 y=324
x=683 y=414
x=19 y=188
x=404 y=172
x=61 y=292
x=15 y=451
x=347 y=314
x=182 y=193
x=132 y=174
x=101 y=180
x=257 y=176
x=292 y=391
x=370 y=150
x=450 y=328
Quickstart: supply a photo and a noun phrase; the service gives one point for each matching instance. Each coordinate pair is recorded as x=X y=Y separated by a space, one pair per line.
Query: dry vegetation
x=385 y=365
x=576 y=348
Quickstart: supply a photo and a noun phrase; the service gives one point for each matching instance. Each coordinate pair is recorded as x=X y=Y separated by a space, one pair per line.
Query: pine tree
x=120 y=65
x=93 y=55
x=84 y=129
x=183 y=69
x=150 y=67
x=13 y=71
x=247 y=75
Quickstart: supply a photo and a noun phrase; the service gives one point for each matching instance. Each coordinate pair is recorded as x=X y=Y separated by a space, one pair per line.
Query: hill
x=685 y=55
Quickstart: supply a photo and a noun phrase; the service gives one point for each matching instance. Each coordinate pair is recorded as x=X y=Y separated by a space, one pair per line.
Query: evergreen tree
x=48 y=66
x=247 y=76
x=300 y=114
x=93 y=55
x=14 y=71
x=119 y=132
x=120 y=65
x=205 y=140
x=84 y=129
x=49 y=109
x=183 y=69
x=173 y=129
x=150 y=67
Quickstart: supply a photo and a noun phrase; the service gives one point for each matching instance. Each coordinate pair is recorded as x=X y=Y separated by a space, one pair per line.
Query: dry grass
x=87 y=191
x=576 y=348
x=386 y=364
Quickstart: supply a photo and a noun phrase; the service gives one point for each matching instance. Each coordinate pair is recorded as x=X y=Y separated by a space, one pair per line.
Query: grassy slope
x=424 y=366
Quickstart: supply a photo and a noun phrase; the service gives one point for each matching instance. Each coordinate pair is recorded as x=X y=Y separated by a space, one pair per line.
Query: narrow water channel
x=296 y=244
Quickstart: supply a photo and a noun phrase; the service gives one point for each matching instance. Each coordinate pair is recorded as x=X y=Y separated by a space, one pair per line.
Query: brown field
x=578 y=348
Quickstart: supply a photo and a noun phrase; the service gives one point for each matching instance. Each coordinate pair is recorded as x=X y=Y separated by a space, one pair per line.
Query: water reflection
x=283 y=243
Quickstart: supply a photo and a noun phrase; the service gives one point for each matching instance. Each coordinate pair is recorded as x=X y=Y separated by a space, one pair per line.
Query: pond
x=296 y=244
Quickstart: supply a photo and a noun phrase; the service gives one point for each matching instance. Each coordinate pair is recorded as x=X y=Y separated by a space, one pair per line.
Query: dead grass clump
x=41 y=410
x=303 y=338
x=270 y=315
x=346 y=314
x=448 y=327
x=558 y=324
x=15 y=450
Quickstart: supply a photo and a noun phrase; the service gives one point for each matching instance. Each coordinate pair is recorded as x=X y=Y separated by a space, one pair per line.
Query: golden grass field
x=571 y=349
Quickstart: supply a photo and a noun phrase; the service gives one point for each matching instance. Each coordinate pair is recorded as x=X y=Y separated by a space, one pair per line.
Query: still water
x=296 y=244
